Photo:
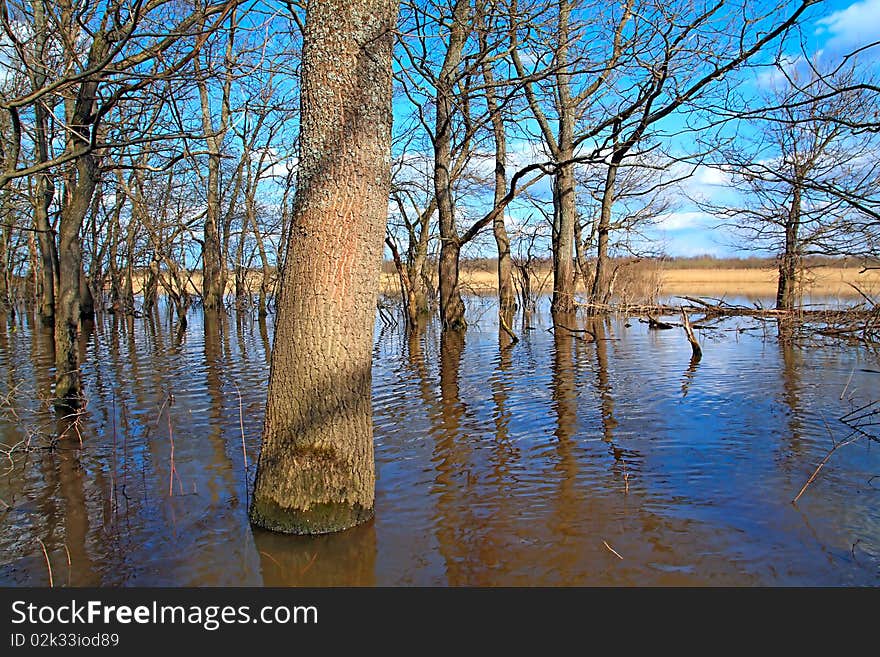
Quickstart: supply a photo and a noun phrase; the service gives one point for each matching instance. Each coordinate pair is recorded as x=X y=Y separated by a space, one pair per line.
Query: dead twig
x=612 y=550
x=864 y=296
x=68 y=563
x=48 y=564
x=834 y=447
x=243 y=446
x=309 y=564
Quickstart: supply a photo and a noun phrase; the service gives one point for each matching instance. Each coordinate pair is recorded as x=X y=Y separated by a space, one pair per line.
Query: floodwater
x=556 y=461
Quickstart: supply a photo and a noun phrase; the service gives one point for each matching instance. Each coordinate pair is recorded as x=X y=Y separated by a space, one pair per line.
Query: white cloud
x=778 y=75
x=711 y=176
x=683 y=220
x=852 y=27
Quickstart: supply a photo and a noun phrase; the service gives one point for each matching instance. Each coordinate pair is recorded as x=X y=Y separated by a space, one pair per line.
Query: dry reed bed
x=720 y=283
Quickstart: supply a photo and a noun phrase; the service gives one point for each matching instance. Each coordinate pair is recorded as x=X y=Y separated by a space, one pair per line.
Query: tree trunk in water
x=451 y=304
x=5 y=296
x=262 y=309
x=600 y=292
x=406 y=286
x=68 y=387
x=506 y=293
x=48 y=252
x=128 y=290
x=316 y=472
x=563 y=241
x=34 y=264
x=564 y=201
x=213 y=267
x=789 y=264
x=151 y=285
x=242 y=298
x=86 y=298
x=44 y=188
x=418 y=270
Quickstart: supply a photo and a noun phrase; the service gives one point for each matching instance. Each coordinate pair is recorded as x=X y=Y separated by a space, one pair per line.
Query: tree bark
x=79 y=187
x=5 y=241
x=564 y=210
x=506 y=293
x=451 y=304
x=316 y=472
x=564 y=200
x=44 y=187
x=68 y=389
x=213 y=254
x=789 y=263
x=600 y=291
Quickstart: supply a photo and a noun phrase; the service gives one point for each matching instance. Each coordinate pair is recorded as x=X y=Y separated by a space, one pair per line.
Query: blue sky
x=834 y=29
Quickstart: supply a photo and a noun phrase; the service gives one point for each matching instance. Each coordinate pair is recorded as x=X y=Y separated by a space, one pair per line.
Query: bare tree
x=801 y=163
x=618 y=72
x=106 y=49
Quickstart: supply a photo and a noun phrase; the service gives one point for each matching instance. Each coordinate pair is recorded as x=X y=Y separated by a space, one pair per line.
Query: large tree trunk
x=789 y=263
x=451 y=304
x=316 y=472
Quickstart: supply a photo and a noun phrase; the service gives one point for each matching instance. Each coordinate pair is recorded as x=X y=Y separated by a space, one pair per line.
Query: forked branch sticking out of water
x=689 y=332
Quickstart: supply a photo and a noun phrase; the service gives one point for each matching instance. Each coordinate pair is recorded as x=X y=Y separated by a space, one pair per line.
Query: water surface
x=539 y=463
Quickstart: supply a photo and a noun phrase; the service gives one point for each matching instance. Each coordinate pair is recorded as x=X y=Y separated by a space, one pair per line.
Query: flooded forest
x=439 y=293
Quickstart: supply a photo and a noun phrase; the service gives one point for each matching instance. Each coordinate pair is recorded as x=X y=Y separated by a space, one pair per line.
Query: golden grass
x=723 y=282
x=820 y=281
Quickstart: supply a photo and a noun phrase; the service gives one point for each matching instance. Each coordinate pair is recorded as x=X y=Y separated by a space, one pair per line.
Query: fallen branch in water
x=689 y=331
x=834 y=447
x=575 y=331
x=507 y=329
x=656 y=324
x=822 y=463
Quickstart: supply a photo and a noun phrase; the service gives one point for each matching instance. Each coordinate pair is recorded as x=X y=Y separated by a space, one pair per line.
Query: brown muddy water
x=554 y=462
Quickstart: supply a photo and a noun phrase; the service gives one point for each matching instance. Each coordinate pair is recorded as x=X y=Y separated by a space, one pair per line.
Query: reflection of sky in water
x=495 y=466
